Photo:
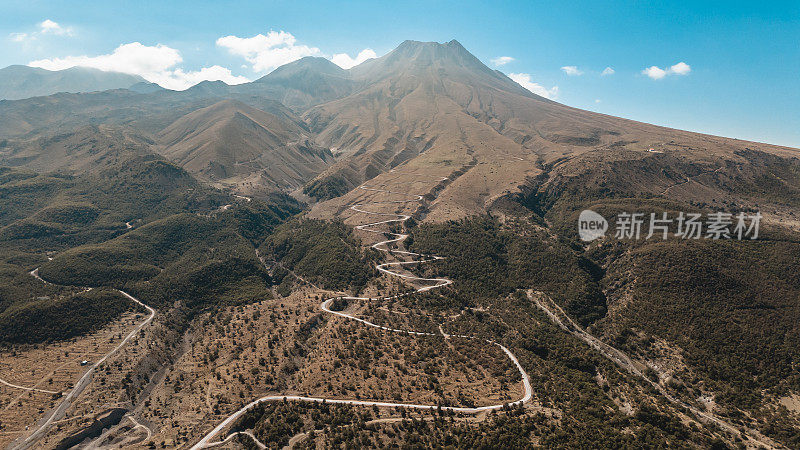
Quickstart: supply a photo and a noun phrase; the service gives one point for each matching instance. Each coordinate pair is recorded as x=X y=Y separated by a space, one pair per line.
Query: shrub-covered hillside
x=486 y=261
x=325 y=253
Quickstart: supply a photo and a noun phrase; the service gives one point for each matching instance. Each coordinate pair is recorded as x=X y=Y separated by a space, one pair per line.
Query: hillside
x=303 y=83
x=88 y=149
x=230 y=140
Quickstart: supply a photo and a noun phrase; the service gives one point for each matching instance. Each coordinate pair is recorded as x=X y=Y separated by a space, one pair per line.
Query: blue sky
x=743 y=58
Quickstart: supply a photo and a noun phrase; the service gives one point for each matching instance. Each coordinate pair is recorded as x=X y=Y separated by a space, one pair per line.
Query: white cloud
x=179 y=80
x=597 y=100
x=129 y=58
x=524 y=80
x=45 y=27
x=50 y=27
x=344 y=60
x=265 y=53
x=607 y=71
x=572 y=70
x=680 y=69
x=153 y=63
x=654 y=72
x=502 y=60
x=658 y=73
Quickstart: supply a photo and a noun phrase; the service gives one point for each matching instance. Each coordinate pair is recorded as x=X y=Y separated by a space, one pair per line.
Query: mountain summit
x=437 y=109
x=429 y=107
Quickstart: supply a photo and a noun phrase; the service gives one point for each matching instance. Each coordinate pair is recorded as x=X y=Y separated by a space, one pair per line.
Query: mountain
x=299 y=85
x=253 y=149
x=18 y=82
x=306 y=82
x=434 y=108
x=438 y=111
x=232 y=141
x=145 y=87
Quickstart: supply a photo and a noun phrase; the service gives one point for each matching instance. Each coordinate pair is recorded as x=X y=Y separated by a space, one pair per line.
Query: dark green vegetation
x=182 y=247
x=196 y=260
x=55 y=211
x=324 y=253
x=737 y=302
x=511 y=428
x=487 y=261
x=730 y=307
x=327 y=187
x=43 y=213
x=49 y=319
x=733 y=308
x=276 y=422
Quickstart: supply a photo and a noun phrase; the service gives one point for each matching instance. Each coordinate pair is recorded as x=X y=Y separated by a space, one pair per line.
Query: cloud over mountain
x=153 y=63
x=344 y=60
x=267 y=52
x=524 y=80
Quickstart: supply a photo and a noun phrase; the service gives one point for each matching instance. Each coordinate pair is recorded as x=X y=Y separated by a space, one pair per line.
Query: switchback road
x=383 y=246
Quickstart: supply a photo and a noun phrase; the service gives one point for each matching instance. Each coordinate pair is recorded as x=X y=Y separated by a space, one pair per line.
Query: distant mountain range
x=18 y=82
x=429 y=106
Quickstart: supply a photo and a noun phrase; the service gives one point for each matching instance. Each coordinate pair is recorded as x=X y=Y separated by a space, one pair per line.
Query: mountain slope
x=437 y=110
x=88 y=149
x=230 y=140
x=18 y=82
x=432 y=107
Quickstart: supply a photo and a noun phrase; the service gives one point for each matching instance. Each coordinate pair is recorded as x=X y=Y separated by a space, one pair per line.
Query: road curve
x=137 y=424
x=325 y=306
x=16 y=386
x=84 y=381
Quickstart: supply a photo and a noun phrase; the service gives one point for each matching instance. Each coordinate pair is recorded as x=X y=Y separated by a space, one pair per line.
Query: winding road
x=84 y=381
x=383 y=246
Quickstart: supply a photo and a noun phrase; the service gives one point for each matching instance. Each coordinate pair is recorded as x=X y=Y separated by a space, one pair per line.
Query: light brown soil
x=54 y=367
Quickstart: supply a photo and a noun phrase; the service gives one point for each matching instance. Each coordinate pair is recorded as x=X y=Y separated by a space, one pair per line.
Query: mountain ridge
x=230 y=139
x=19 y=82
x=430 y=106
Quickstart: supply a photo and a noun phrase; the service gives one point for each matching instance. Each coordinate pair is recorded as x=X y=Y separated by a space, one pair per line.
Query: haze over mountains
x=17 y=82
